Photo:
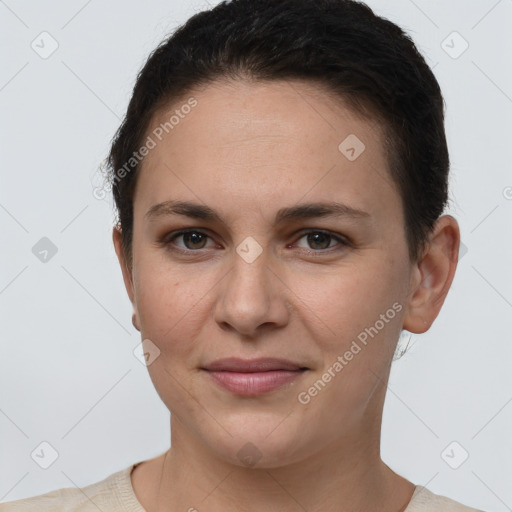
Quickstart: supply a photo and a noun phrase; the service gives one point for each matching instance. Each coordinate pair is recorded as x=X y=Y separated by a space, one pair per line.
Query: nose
x=252 y=298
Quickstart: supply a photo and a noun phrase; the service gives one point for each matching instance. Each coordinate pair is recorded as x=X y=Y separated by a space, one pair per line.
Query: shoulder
x=424 y=500
x=114 y=493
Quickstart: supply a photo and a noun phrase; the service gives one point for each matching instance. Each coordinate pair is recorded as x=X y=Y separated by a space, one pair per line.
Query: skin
x=247 y=150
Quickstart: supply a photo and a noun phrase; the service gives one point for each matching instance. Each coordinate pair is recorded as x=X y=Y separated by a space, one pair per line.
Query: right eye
x=193 y=240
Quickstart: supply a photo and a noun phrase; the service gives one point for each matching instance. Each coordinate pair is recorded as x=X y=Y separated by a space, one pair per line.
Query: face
x=294 y=250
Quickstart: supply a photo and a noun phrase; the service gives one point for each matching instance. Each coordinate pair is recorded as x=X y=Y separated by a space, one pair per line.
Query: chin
x=258 y=441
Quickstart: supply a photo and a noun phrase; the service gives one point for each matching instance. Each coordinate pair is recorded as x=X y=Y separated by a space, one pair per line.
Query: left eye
x=319 y=240
x=194 y=240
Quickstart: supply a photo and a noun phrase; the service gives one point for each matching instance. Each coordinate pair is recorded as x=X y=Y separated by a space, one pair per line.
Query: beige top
x=115 y=494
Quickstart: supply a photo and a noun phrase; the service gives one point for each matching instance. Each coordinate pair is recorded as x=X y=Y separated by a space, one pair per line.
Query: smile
x=253 y=377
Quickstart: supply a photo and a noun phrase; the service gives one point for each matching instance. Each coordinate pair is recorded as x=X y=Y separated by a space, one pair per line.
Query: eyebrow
x=301 y=211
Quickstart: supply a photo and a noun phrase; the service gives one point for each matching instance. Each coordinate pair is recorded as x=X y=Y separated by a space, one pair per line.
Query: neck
x=348 y=476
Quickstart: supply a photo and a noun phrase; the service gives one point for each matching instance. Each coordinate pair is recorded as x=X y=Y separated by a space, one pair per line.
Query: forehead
x=262 y=142
x=238 y=111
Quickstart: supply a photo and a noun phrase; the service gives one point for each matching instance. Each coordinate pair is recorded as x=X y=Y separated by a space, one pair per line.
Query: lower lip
x=254 y=383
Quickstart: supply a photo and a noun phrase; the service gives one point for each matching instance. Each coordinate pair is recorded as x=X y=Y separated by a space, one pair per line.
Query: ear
x=127 y=272
x=432 y=276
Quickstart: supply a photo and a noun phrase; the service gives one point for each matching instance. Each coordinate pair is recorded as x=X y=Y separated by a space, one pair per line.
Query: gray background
x=68 y=375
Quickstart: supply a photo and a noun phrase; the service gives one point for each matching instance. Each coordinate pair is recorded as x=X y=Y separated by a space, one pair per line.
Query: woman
x=280 y=178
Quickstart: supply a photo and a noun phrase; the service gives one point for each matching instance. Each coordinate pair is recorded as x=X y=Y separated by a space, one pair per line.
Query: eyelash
x=168 y=239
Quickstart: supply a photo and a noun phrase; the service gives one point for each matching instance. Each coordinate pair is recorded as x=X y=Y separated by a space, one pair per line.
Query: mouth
x=253 y=377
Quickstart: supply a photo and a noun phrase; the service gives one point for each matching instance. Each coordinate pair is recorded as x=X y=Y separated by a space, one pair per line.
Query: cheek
x=343 y=303
x=167 y=306
x=358 y=318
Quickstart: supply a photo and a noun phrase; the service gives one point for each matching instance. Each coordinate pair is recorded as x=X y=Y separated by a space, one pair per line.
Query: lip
x=263 y=364
x=253 y=377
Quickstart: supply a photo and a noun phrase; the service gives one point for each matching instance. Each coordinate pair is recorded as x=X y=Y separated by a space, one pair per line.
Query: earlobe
x=135 y=322
x=432 y=276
